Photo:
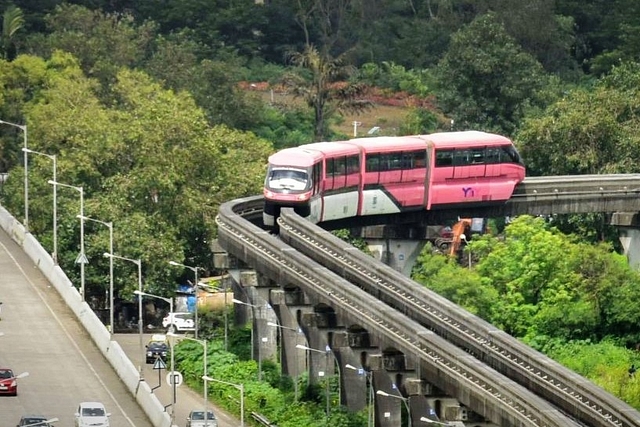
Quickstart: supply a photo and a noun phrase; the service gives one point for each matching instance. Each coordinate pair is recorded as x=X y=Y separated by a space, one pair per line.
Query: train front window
x=287 y=179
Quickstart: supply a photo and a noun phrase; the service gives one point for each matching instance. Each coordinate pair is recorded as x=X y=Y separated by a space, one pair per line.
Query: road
x=186 y=399
x=43 y=337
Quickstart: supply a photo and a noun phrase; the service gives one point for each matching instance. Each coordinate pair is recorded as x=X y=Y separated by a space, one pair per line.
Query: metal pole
x=55 y=210
x=26 y=180
x=241 y=405
x=226 y=321
x=173 y=379
x=204 y=343
x=142 y=352
x=326 y=378
x=111 y=325
x=82 y=255
x=195 y=272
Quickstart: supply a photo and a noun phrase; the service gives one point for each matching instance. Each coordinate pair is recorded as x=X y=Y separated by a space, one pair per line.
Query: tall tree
x=12 y=21
x=324 y=87
x=486 y=80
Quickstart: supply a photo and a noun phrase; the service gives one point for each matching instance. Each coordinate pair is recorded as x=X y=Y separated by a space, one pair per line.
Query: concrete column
x=628 y=224
x=401 y=255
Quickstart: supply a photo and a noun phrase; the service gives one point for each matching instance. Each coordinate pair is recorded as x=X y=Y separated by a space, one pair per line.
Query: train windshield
x=281 y=179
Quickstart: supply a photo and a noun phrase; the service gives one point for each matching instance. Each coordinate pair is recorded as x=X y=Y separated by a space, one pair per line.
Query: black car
x=35 y=421
x=157 y=348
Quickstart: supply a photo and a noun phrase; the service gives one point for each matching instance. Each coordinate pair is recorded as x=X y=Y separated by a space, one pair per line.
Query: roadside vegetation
x=152 y=111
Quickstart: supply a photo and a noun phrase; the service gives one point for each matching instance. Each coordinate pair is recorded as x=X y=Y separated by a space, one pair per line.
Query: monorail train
x=327 y=181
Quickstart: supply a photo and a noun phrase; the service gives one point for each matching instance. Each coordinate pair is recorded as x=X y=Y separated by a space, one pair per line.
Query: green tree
x=12 y=22
x=321 y=88
x=148 y=161
x=590 y=130
x=486 y=80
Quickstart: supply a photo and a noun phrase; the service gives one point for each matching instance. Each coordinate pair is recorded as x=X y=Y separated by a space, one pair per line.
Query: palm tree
x=12 y=21
x=323 y=87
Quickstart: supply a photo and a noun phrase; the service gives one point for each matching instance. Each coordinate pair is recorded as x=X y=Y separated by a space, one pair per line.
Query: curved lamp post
x=173 y=362
x=463 y=237
x=195 y=272
x=53 y=157
x=203 y=343
x=109 y=225
x=239 y=387
x=370 y=399
x=326 y=353
x=280 y=329
x=82 y=259
x=137 y=262
x=404 y=400
x=23 y=128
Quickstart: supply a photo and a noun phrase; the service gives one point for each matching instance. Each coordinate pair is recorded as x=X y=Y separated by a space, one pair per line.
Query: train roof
x=470 y=138
x=295 y=157
x=389 y=143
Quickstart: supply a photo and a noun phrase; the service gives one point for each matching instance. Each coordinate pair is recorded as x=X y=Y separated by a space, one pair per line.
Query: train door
x=315 y=202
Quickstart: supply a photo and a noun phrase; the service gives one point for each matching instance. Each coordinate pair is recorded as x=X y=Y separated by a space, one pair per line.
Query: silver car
x=196 y=419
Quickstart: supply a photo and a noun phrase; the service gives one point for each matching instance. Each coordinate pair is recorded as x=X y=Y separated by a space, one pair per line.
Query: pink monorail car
x=371 y=176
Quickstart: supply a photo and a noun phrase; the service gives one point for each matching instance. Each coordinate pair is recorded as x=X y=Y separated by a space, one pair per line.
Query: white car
x=92 y=414
x=196 y=419
x=179 y=322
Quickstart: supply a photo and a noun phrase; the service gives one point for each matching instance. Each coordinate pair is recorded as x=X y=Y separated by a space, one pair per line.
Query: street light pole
x=137 y=262
x=370 y=399
x=195 y=272
x=404 y=400
x=253 y=319
x=53 y=157
x=110 y=226
x=326 y=376
x=173 y=360
x=82 y=259
x=203 y=343
x=239 y=387
x=23 y=128
x=281 y=357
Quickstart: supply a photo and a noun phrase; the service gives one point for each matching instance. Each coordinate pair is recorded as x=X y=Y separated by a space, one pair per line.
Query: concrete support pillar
x=628 y=224
x=401 y=255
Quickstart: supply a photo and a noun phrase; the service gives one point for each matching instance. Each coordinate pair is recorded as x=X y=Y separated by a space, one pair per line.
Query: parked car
x=35 y=421
x=92 y=414
x=183 y=321
x=157 y=347
x=8 y=382
x=196 y=419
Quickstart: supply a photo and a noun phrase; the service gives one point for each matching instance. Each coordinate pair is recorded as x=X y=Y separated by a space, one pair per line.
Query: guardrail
x=262 y=419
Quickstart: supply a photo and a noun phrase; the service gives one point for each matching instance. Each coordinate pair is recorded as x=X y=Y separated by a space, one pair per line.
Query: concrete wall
x=98 y=332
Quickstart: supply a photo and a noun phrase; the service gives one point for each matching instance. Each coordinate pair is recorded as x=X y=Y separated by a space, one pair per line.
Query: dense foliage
x=146 y=107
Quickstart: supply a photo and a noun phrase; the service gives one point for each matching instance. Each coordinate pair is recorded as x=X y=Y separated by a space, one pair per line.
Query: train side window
x=444 y=158
x=353 y=164
x=340 y=167
x=418 y=159
x=461 y=158
x=373 y=163
x=510 y=155
x=492 y=155
x=394 y=161
x=330 y=167
x=477 y=156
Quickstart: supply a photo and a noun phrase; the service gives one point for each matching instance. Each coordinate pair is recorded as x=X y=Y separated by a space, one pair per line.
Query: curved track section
x=459 y=374
x=572 y=393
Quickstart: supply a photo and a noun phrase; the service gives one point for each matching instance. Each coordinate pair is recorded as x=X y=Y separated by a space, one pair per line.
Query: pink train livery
x=327 y=181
